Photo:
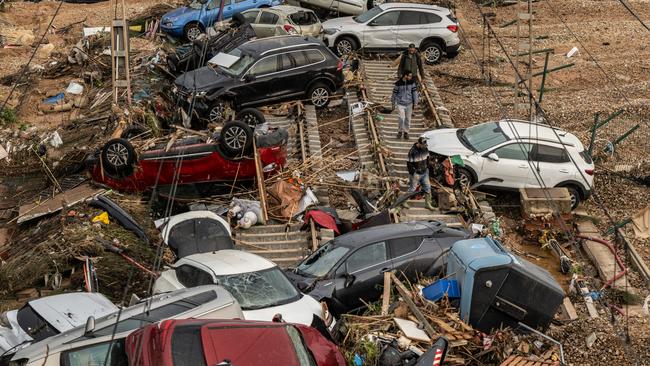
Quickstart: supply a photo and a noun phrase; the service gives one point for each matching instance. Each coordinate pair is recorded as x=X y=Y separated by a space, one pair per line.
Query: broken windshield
x=239 y=66
x=321 y=261
x=258 y=290
x=483 y=136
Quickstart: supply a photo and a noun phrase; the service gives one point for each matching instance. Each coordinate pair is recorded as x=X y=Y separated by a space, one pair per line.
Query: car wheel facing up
x=236 y=138
x=117 y=157
x=432 y=53
x=251 y=117
x=320 y=95
x=345 y=45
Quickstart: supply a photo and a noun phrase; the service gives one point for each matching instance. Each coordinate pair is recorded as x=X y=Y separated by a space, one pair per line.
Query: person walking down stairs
x=417 y=164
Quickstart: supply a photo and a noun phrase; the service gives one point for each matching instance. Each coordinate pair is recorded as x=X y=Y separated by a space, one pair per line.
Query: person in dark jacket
x=411 y=61
x=405 y=98
x=417 y=164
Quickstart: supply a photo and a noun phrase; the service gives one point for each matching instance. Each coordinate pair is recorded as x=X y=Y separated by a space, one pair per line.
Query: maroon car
x=192 y=160
x=194 y=342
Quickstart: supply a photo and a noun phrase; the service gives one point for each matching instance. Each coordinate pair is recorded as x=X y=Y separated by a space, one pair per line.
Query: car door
x=361 y=275
x=306 y=22
x=251 y=16
x=266 y=24
x=414 y=26
x=403 y=255
x=552 y=164
x=511 y=169
x=306 y=68
x=381 y=32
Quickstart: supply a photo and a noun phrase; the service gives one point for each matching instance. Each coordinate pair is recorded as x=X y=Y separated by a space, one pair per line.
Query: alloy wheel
x=320 y=96
x=217 y=113
x=117 y=154
x=250 y=119
x=193 y=33
x=432 y=54
x=344 y=47
x=235 y=138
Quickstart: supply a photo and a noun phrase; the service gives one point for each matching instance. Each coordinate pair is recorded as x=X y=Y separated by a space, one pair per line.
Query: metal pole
x=530 y=60
x=610 y=117
x=593 y=135
x=562 y=362
x=541 y=88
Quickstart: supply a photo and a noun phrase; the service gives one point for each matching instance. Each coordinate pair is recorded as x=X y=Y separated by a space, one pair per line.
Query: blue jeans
x=423 y=179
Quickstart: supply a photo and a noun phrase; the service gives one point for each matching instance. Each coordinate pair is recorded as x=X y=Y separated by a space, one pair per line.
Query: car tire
x=217 y=112
x=320 y=95
x=133 y=131
x=118 y=157
x=344 y=45
x=465 y=177
x=432 y=52
x=576 y=197
x=192 y=31
x=251 y=116
x=236 y=138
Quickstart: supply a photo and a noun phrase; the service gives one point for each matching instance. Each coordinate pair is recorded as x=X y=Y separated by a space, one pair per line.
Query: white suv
x=393 y=26
x=514 y=154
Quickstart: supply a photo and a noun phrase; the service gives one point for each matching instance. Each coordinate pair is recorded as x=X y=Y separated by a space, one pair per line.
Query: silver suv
x=393 y=26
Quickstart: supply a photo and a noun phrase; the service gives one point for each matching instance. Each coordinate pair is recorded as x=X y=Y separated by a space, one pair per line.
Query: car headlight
x=168 y=23
x=330 y=31
x=200 y=94
x=4 y=320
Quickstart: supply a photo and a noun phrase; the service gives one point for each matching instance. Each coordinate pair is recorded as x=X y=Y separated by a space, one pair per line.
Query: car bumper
x=453 y=49
x=175 y=31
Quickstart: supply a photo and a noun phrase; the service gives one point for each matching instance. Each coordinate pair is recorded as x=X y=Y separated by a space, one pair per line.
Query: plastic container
x=438 y=289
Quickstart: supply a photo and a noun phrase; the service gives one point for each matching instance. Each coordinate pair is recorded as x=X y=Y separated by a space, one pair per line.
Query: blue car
x=190 y=21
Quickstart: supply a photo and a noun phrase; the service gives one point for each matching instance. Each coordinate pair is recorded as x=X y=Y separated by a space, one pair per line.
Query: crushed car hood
x=318 y=288
x=445 y=142
x=202 y=79
x=301 y=311
x=339 y=23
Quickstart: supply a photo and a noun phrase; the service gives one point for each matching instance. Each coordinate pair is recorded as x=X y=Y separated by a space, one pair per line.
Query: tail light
x=290 y=29
x=453 y=28
x=589 y=171
x=339 y=67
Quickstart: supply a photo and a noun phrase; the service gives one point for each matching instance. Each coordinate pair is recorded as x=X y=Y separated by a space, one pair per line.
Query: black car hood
x=203 y=79
x=317 y=288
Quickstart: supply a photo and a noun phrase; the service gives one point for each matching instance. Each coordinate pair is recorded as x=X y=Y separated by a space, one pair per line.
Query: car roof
x=262 y=46
x=386 y=6
x=287 y=9
x=374 y=234
x=535 y=131
x=229 y=261
x=55 y=343
x=69 y=310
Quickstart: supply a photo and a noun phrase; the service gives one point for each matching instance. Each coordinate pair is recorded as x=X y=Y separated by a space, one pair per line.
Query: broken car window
x=367 y=256
x=303 y=18
x=320 y=262
x=484 y=136
x=200 y=235
x=258 y=290
x=34 y=324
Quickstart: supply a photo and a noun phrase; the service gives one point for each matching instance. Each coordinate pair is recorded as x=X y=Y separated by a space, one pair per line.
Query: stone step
x=273 y=228
x=287 y=262
x=272 y=236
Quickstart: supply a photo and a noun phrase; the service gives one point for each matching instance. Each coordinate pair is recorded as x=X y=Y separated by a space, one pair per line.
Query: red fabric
x=322 y=219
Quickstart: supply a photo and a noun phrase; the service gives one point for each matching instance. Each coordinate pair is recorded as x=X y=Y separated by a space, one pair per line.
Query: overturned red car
x=227 y=157
x=230 y=342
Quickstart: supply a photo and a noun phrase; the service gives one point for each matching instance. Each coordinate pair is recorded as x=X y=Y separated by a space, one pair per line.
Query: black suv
x=262 y=71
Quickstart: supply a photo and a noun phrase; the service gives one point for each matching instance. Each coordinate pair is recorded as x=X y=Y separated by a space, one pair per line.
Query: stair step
x=272 y=228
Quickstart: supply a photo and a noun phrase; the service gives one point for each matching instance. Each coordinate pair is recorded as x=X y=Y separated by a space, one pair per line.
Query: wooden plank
x=414 y=309
x=385 y=297
x=411 y=330
x=444 y=326
x=568 y=310
x=56 y=203
x=508 y=361
x=259 y=175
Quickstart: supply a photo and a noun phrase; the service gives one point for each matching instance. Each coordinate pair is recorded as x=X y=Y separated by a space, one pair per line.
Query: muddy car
x=262 y=71
x=193 y=160
x=230 y=342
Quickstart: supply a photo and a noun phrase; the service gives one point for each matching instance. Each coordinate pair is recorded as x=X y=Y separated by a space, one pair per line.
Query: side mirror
x=248 y=78
x=349 y=280
x=90 y=326
x=493 y=156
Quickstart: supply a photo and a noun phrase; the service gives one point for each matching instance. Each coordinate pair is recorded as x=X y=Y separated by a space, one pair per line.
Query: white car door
x=381 y=32
x=553 y=164
x=510 y=169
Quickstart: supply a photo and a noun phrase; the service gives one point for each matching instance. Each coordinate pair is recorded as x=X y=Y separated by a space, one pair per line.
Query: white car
x=195 y=232
x=90 y=343
x=514 y=154
x=282 y=20
x=48 y=316
x=392 y=27
x=260 y=286
x=324 y=7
